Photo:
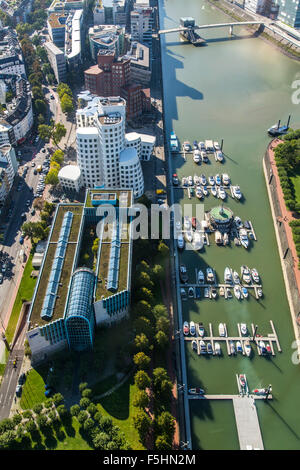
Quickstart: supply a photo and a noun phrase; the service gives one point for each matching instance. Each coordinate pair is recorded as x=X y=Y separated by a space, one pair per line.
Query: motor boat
x=209 y=348
x=217 y=349
x=184 y=181
x=248 y=348
x=197 y=292
x=245 y=292
x=225 y=179
x=214 y=293
x=263 y=348
x=197 y=241
x=222 y=291
x=251 y=235
x=191 y=292
x=206 y=292
x=204 y=157
x=201 y=330
x=203 y=180
x=173 y=142
x=246 y=275
x=216 y=146
x=222 y=193
x=190 y=181
x=242 y=382
x=202 y=347
x=244 y=238
x=183 y=293
x=222 y=331
x=229 y=294
x=194 y=345
x=255 y=275
x=211 y=180
x=236 y=278
x=239 y=348
x=200 y=277
x=210 y=275
x=259 y=292
x=225 y=238
x=199 y=193
x=232 y=347
x=227 y=276
x=201 y=145
x=175 y=179
x=277 y=130
x=205 y=191
x=237 y=292
x=189 y=236
x=186 y=146
x=180 y=242
x=237 y=192
x=244 y=328
x=196 y=156
x=268 y=348
x=218 y=238
x=218 y=180
x=183 y=273
x=238 y=222
x=192 y=328
x=196 y=180
x=247 y=225
x=260 y=391
x=187 y=224
x=178 y=225
x=219 y=157
x=213 y=191
x=196 y=391
x=195 y=145
x=186 y=328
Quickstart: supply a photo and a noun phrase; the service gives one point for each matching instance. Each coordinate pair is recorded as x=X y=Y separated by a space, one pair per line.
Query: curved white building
x=70 y=177
x=131 y=173
x=88 y=156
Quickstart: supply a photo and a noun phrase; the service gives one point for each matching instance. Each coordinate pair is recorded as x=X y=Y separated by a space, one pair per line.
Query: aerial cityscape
x=149 y=226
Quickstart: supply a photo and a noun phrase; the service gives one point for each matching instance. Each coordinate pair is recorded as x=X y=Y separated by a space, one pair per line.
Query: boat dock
x=247 y=422
x=268 y=339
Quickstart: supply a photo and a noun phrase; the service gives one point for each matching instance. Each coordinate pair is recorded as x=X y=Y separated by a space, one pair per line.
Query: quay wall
x=286 y=257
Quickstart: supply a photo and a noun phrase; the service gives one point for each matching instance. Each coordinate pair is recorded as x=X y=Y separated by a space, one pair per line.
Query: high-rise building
x=8 y=169
x=102 y=143
x=108 y=38
x=110 y=12
x=256 y=6
x=289 y=12
x=57 y=61
x=141 y=23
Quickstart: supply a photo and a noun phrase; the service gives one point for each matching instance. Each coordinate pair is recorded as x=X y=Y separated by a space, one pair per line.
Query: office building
x=57 y=61
x=289 y=12
x=108 y=38
x=8 y=170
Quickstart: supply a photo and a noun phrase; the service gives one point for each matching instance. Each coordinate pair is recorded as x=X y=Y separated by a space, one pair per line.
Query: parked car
x=32 y=212
x=22 y=379
x=4 y=266
x=1 y=278
x=19 y=390
x=21 y=240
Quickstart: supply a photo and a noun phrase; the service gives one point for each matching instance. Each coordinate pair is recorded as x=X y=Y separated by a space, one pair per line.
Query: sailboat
x=277 y=130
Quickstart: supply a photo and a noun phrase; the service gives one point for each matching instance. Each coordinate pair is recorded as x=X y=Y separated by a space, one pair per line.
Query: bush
x=75 y=410
x=37 y=408
x=84 y=402
x=82 y=416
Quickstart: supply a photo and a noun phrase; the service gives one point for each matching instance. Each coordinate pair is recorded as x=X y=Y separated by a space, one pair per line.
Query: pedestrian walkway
x=287 y=215
x=247 y=423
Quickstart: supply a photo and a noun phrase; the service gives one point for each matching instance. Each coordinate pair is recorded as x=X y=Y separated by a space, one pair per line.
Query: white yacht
x=205 y=191
x=213 y=191
x=225 y=238
x=180 y=242
x=204 y=157
x=219 y=157
x=201 y=330
x=196 y=156
x=218 y=237
x=237 y=292
x=238 y=222
x=216 y=146
x=225 y=179
x=236 y=278
x=245 y=292
x=244 y=329
x=217 y=349
x=244 y=238
x=237 y=192
x=197 y=241
x=190 y=181
x=203 y=180
x=245 y=272
x=255 y=275
x=227 y=276
x=222 y=329
x=186 y=146
x=222 y=193
x=211 y=180
x=188 y=236
x=218 y=179
x=187 y=223
x=178 y=225
x=191 y=293
x=201 y=145
x=248 y=348
x=210 y=276
x=199 y=193
x=196 y=180
x=200 y=277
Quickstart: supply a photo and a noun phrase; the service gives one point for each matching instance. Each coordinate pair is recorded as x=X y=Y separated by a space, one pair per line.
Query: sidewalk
x=287 y=216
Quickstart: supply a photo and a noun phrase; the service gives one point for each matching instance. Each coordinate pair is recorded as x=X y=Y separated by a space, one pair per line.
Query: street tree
x=142 y=380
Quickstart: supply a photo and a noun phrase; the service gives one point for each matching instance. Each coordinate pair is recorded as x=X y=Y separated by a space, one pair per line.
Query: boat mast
x=287 y=125
x=278 y=124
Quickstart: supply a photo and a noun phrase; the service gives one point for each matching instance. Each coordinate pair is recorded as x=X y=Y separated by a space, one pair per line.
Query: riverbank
x=266 y=37
x=284 y=238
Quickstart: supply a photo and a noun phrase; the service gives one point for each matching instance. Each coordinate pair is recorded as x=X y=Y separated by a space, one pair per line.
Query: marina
x=200 y=106
x=269 y=339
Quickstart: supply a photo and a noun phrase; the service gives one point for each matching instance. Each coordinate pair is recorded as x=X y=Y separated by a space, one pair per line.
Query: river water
x=234 y=89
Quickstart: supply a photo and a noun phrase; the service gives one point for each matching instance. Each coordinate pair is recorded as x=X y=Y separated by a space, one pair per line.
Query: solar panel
x=114 y=260
x=58 y=261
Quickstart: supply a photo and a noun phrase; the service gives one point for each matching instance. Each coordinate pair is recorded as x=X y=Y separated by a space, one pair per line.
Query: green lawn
x=25 y=292
x=296 y=182
x=119 y=407
x=33 y=389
